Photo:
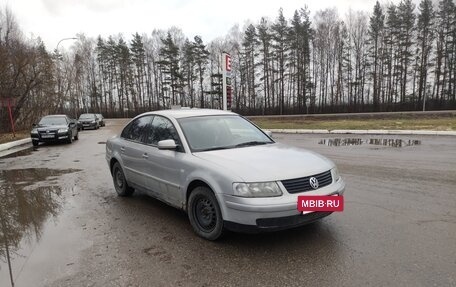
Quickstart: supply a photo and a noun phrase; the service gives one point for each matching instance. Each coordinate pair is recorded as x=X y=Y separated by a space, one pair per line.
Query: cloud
x=57 y=7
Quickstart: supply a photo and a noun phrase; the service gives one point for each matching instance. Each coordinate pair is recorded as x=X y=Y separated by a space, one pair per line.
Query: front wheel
x=204 y=213
x=70 y=138
x=35 y=143
x=120 y=183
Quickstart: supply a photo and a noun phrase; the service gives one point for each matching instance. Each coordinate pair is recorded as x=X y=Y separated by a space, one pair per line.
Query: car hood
x=51 y=127
x=268 y=162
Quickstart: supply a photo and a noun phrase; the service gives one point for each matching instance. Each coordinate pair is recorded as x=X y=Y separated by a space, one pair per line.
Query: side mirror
x=167 y=145
x=72 y=124
x=268 y=133
x=34 y=125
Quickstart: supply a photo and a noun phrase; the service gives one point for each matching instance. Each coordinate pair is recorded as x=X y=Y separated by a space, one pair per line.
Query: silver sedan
x=220 y=168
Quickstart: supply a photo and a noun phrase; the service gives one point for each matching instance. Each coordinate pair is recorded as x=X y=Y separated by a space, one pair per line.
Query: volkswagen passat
x=224 y=171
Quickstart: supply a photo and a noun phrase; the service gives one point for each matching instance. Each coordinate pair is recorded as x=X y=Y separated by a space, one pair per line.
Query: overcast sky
x=53 y=20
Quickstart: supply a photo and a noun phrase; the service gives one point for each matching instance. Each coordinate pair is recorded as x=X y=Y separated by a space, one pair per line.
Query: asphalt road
x=63 y=225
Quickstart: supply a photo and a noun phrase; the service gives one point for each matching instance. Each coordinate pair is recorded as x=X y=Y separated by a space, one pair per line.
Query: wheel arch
x=194 y=184
x=112 y=162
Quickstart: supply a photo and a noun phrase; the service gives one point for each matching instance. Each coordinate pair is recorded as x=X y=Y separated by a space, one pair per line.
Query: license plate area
x=47 y=136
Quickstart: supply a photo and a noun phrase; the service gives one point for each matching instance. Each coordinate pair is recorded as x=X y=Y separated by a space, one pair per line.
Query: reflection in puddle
x=26 y=202
x=359 y=141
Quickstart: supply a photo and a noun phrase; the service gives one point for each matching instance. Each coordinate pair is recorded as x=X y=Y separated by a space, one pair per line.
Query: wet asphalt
x=63 y=225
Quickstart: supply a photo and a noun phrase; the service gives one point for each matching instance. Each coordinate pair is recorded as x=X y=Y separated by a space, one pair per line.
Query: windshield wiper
x=216 y=148
x=251 y=143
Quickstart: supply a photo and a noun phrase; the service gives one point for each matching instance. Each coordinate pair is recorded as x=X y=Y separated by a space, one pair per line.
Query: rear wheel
x=204 y=213
x=120 y=183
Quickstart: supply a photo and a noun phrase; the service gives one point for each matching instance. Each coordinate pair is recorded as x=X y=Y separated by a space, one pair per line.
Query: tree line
x=398 y=57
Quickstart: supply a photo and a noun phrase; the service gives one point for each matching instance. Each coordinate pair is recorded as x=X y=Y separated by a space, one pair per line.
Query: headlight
x=62 y=131
x=34 y=131
x=256 y=189
x=93 y=122
x=335 y=174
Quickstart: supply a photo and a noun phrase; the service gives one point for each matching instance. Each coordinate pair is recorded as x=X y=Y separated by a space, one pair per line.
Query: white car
x=224 y=171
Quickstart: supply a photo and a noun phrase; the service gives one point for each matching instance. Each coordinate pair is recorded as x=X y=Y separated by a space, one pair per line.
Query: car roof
x=186 y=113
x=54 y=116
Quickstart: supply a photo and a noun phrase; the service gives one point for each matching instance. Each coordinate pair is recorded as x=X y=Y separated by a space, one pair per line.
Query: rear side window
x=137 y=128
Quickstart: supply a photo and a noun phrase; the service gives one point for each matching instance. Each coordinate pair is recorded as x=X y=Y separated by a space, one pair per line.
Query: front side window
x=136 y=130
x=161 y=129
x=221 y=132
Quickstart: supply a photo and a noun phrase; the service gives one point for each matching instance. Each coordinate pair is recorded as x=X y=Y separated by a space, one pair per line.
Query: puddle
x=28 y=198
x=378 y=142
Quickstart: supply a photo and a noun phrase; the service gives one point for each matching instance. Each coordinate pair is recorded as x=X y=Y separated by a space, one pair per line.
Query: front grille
x=302 y=184
x=48 y=133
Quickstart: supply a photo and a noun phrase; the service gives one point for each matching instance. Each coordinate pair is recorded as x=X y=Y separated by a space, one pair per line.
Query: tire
x=204 y=213
x=120 y=183
x=70 y=138
x=35 y=143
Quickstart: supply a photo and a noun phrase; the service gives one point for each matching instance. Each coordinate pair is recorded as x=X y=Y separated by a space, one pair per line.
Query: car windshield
x=87 y=117
x=221 y=132
x=52 y=121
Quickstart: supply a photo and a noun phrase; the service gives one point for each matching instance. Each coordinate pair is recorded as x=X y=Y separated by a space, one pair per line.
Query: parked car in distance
x=101 y=120
x=224 y=171
x=54 y=128
x=89 y=121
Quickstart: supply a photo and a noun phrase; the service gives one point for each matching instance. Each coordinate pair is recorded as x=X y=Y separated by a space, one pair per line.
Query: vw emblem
x=47 y=131
x=313 y=182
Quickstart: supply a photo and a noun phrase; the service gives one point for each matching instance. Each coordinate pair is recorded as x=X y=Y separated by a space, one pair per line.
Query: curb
x=10 y=145
x=365 y=132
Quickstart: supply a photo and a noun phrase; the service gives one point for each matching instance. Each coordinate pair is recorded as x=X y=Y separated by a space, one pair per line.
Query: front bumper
x=276 y=223
x=89 y=125
x=55 y=138
x=274 y=213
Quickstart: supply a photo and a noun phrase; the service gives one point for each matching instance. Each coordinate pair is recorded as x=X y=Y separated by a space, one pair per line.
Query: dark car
x=89 y=121
x=54 y=128
x=79 y=125
x=101 y=120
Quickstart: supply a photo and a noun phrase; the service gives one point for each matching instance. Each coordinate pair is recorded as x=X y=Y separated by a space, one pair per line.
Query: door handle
x=145 y=156
x=122 y=149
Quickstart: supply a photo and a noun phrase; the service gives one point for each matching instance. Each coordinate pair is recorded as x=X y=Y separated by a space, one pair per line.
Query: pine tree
x=201 y=58
x=280 y=31
x=376 y=27
x=425 y=28
x=138 y=58
x=406 y=17
x=169 y=65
